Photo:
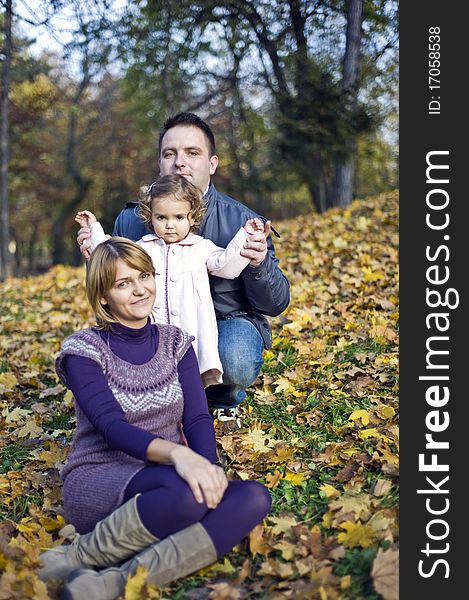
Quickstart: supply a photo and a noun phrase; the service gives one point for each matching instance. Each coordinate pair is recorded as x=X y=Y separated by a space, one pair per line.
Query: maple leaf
x=259 y=441
x=7 y=382
x=295 y=478
x=329 y=491
x=356 y=534
x=363 y=415
x=224 y=591
x=286 y=548
x=282 y=524
x=385 y=573
x=135 y=583
x=258 y=542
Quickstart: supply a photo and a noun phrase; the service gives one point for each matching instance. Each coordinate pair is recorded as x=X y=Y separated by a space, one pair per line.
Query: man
x=187 y=148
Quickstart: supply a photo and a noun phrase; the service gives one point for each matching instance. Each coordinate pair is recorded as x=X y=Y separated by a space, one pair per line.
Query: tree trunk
x=5 y=259
x=342 y=189
x=59 y=229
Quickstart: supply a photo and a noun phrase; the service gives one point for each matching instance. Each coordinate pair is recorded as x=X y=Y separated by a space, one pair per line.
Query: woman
x=140 y=482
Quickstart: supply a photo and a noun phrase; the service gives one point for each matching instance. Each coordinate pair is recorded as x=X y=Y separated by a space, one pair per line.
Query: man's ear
x=213 y=164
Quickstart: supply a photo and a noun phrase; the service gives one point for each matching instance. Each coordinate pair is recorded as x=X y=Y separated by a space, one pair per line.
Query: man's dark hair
x=188 y=119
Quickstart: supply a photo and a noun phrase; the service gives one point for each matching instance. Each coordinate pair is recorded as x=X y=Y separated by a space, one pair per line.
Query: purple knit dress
x=150 y=394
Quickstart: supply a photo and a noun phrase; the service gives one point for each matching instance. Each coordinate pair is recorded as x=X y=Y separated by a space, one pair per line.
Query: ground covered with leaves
x=320 y=423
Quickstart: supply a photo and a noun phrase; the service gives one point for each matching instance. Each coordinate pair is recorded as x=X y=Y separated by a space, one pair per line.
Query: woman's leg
x=244 y=504
x=166 y=505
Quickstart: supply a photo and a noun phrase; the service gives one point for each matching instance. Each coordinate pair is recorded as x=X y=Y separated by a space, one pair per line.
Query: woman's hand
x=207 y=482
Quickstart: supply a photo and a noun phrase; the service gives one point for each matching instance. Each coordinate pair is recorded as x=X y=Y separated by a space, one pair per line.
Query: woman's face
x=132 y=296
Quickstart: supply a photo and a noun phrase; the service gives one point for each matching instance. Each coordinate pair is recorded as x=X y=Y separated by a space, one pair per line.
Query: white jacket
x=183 y=290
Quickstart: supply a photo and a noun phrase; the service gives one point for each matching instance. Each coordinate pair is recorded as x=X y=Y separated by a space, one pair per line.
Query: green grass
x=13 y=457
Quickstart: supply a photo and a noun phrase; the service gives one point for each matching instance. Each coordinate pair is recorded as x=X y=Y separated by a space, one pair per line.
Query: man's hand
x=84 y=241
x=255 y=247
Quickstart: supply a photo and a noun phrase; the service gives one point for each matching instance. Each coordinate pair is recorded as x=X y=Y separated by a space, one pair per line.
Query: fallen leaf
x=385 y=573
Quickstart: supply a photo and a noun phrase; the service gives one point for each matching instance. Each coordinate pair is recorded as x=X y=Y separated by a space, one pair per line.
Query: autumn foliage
x=320 y=423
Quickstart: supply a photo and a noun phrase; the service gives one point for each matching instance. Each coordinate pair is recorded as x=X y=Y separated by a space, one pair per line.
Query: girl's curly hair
x=176 y=187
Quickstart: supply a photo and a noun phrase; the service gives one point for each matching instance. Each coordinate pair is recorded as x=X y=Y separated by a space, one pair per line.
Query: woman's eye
x=145 y=275
x=122 y=284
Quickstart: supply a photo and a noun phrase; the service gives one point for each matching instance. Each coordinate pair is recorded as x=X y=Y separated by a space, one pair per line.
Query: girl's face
x=170 y=218
x=132 y=296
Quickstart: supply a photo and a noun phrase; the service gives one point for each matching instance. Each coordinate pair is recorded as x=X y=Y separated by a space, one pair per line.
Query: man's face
x=185 y=151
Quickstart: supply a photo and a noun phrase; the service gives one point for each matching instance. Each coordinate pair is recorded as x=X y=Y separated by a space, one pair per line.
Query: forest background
x=301 y=95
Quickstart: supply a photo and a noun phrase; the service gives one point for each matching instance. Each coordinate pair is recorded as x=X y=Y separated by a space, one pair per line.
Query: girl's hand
x=253 y=225
x=85 y=218
x=208 y=482
x=255 y=247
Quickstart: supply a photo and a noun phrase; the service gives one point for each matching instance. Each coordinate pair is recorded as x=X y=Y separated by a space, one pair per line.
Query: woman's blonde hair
x=101 y=273
x=179 y=189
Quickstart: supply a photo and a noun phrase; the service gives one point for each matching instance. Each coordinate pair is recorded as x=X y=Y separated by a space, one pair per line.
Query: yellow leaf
x=372 y=432
x=225 y=567
x=135 y=583
x=259 y=440
x=30 y=430
x=339 y=242
x=356 y=534
x=7 y=382
x=296 y=478
x=360 y=414
x=17 y=414
x=329 y=491
x=282 y=524
x=372 y=276
x=286 y=548
x=283 y=385
x=52 y=523
x=387 y=412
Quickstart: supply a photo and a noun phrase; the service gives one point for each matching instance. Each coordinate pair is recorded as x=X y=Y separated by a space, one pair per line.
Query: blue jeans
x=240 y=346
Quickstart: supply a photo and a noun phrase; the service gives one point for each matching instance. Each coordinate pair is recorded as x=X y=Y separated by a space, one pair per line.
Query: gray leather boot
x=115 y=538
x=176 y=556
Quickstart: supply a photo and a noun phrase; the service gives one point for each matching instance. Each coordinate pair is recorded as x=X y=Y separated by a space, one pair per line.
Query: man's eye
x=168 y=154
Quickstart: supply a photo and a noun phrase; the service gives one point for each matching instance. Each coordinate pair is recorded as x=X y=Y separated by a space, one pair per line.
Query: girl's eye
x=159 y=218
x=181 y=217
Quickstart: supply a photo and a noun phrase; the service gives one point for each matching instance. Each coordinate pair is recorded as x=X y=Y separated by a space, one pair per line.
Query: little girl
x=172 y=209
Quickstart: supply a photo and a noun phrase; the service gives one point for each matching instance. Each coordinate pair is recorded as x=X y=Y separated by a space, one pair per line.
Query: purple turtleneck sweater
x=137 y=346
